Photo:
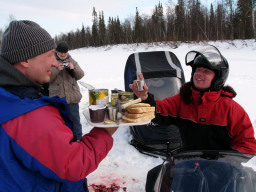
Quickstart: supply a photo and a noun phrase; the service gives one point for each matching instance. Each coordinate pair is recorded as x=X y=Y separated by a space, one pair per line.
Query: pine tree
x=83 y=41
x=95 y=33
x=102 y=29
x=212 y=26
x=230 y=29
x=127 y=30
x=118 y=31
x=220 y=21
x=244 y=13
x=170 y=23
x=137 y=28
x=180 y=20
x=158 y=23
x=110 y=31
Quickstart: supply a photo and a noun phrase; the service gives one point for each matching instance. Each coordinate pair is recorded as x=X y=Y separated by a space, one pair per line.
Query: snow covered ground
x=104 y=68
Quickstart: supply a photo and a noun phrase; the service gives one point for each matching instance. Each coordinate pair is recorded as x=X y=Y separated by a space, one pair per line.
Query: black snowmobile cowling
x=164 y=76
x=211 y=171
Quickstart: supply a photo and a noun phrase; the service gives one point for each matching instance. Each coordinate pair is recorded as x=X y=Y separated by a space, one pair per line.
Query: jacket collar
x=207 y=96
x=11 y=77
x=62 y=59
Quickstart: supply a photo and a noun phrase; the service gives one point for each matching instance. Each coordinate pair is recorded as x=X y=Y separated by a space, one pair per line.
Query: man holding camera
x=63 y=83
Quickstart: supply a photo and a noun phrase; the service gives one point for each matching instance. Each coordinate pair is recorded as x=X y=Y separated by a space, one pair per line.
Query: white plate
x=103 y=125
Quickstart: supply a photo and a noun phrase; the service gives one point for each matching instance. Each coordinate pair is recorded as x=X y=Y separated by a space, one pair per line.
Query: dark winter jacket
x=207 y=121
x=64 y=83
x=36 y=152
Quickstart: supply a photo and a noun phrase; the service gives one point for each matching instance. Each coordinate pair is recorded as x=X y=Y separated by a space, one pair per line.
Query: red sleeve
x=241 y=129
x=169 y=106
x=44 y=135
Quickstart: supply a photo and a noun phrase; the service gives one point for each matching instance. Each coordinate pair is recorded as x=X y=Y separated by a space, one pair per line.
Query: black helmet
x=211 y=58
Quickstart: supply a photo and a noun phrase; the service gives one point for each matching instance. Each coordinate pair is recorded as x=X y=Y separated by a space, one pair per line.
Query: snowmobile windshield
x=208 y=171
x=210 y=53
x=160 y=87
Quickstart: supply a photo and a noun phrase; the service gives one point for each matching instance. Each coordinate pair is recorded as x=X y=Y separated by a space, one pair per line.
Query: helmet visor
x=210 y=53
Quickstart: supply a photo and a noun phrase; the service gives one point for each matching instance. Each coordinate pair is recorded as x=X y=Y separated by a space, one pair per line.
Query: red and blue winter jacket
x=36 y=152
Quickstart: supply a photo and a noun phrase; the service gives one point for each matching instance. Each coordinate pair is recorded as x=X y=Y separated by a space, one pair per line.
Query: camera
x=65 y=65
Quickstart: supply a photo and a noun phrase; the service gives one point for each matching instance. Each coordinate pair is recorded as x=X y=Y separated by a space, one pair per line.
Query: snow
x=104 y=68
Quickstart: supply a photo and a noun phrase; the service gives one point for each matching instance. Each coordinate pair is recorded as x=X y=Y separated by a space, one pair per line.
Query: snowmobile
x=204 y=171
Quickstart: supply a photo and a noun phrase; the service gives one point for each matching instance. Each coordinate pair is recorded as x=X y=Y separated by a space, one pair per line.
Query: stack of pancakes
x=136 y=112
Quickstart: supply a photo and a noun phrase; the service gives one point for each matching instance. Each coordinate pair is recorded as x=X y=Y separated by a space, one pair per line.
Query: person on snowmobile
x=205 y=112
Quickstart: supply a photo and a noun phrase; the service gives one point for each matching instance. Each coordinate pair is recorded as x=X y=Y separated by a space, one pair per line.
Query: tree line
x=188 y=20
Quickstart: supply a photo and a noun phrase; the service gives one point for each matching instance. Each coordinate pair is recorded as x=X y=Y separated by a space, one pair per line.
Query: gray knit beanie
x=23 y=40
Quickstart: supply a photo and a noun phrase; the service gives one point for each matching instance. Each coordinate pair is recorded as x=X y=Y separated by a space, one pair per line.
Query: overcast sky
x=62 y=16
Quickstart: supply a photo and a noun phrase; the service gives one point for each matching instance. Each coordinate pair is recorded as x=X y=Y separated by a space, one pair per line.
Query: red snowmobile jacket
x=212 y=121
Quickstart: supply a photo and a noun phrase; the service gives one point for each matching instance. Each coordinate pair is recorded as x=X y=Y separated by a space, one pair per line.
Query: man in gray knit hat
x=37 y=152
